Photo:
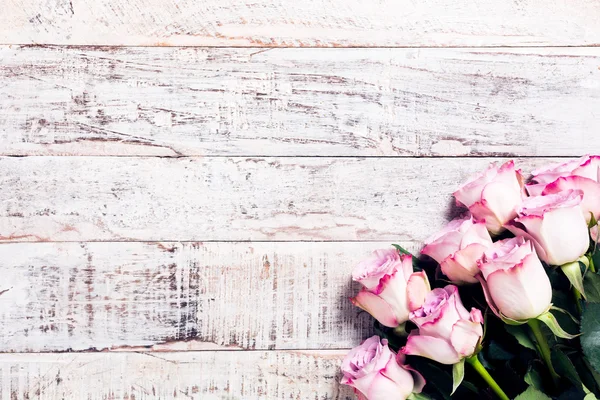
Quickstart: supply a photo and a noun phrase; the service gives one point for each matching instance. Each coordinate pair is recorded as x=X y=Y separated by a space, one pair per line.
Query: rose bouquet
x=510 y=289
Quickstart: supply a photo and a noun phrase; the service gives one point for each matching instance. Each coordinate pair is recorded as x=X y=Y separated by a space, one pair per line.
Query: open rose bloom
x=391 y=288
x=520 y=247
x=458 y=248
x=377 y=373
x=447 y=331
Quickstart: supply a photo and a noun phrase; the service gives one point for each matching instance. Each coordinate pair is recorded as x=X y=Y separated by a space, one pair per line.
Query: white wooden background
x=181 y=222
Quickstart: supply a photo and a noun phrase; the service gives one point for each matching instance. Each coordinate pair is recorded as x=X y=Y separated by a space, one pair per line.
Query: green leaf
x=573 y=273
x=520 y=333
x=418 y=396
x=496 y=352
x=590 y=339
x=590 y=396
x=595 y=257
x=532 y=394
x=565 y=312
x=458 y=374
x=533 y=378
x=591 y=283
x=593 y=221
x=588 y=375
x=564 y=367
x=551 y=322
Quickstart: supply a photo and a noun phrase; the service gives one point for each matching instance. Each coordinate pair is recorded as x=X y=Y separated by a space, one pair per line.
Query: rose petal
x=407 y=266
x=476 y=315
x=393 y=290
x=384 y=387
x=483 y=213
x=431 y=347
x=416 y=290
x=465 y=336
x=488 y=296
x=377 y=307
x=417 y=377
x=518 y=229
x=590 y=189
x=462 y=266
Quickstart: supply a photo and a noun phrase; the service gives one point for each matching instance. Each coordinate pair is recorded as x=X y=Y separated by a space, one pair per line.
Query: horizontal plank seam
x=204 y=241
x=107 y=351
x=99 y=46
x=476 y=156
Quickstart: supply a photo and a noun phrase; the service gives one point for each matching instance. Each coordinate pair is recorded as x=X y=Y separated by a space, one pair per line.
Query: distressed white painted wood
x=299 y=102
x=302 y=23
x=232 y=199
x=207 y=375
x=180 y=296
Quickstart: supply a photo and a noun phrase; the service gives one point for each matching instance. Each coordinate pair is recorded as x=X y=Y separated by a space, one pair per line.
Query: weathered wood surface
x=310 y=375
x=302 y=23
x=231 y=199
x=180 y=296
x=299 y=102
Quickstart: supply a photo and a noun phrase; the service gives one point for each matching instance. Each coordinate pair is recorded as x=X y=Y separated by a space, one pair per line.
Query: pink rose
x=493 y=195
x=376 y=373
x=391 y=288
x=447 y=331
x=582 y=174
x=458 y=247
x=514 y=280
x=586 y=167
x=555 y=224
x=594 y=233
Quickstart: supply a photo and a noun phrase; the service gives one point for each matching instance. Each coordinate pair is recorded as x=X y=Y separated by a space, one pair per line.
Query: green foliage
x=458 y=374
x=591 y=283
x=590 y=340
x=520 y=333
x=565 y=367
x=532 y=394
x=533 y=378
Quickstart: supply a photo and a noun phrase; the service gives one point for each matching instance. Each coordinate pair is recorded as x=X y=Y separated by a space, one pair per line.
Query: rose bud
x=447 y=331
x=458 y=247
x=582 y=174
x=555 y=224
x=493 y=196
x=377 y=373
x=514 y=280
x=391 y=289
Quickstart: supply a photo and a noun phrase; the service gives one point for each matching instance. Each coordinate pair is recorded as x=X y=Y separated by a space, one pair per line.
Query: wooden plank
x=180 y=296
x=307 y=23
x=231 y=199
x=299 y=102
x=310 y=375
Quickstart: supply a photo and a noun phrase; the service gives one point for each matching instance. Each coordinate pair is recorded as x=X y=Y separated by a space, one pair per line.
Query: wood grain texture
x=231 y=199
x=180 y=296
x=310 y=375
x=299 y=102
x=305 y=23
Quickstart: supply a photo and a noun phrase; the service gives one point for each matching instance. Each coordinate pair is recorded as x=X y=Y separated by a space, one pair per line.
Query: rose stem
x=592 y=266
x=476 y=364
x=543 y=347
